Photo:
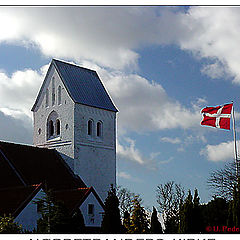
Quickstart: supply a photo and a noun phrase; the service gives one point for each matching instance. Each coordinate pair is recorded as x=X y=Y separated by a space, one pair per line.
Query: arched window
x=58 y=127
x=59 y=95
x=53 y=91
x=90 y=127
x=47 y=98
x=99 y=129
x=51 y=128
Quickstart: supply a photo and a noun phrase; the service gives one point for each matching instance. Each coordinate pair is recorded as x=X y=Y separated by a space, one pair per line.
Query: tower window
x=53 y=91
x=99 y=129
x=58 y=126
x=53 y=125
x=90 y=127
x=51 y=128
x=59 y=95
x=47 y=98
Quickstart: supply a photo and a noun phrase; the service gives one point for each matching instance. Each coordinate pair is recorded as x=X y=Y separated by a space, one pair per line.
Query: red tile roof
x=26 y=169
x=33 y=165
x=14 y=200
x=73 y=198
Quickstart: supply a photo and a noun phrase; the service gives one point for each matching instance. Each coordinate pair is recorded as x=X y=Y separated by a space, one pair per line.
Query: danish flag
x=218 y=117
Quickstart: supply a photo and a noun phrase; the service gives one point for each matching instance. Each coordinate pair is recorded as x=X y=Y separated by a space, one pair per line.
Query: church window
x=53 y=91
x=51 y=128
x=59 y=95
x=39 y=131
x=99 y=129
x=90 y=127
x=58 y=126
x=66 y=126
x=90 y=209
x=47 y=98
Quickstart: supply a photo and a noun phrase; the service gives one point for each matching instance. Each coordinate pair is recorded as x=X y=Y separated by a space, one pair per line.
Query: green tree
x=111 y=220
x=55 y=217
x=186 y=215
x=125 y=198
x=170 y=197
x=235 y=207
x=197 y=220
x=126 y=221
x=7 y=225
x=138 y=221
x=156 y=226
x=215 y=212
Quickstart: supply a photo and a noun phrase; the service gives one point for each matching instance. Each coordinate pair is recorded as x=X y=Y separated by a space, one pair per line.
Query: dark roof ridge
x=12 y=166
x=28 y=199
x=73 y=64
x=19 y=187
x=68 y=167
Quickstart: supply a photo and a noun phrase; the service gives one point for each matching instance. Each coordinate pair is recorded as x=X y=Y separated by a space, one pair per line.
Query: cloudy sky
x=160 y=65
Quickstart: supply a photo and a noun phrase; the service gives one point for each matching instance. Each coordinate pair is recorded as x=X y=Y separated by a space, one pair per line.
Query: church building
x=74 y=150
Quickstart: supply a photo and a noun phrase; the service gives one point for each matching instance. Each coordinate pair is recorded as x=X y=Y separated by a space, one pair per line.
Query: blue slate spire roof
x=83 y=85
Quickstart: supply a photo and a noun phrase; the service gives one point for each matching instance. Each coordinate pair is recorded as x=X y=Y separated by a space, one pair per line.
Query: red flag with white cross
x=218 y=117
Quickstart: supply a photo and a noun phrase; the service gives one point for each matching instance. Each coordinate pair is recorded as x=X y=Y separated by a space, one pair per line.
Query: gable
x=47 y=86
x=83 y=86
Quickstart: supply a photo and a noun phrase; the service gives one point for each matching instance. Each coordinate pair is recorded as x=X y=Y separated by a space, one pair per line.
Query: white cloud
x=129 y=152
x=211 y=32
x=127 y=176
x=221 y=152
x=170 y=140
x=111 y=36
x=18 y=92
x=144 y=105
x=15 y=130
x=105 y=35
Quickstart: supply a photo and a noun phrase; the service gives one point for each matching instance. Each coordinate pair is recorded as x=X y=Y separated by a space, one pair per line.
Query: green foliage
x=125 y=198
x=170 y=197
x=198 y=217
x=126 y=221
x=7 y=225
x=234 y=208
x=138 y=221
x=55 y=218
x=171 y=225
x=186 y=215
x=215 y=212
x=156 y=226
x=191 y=218
x=111 y=220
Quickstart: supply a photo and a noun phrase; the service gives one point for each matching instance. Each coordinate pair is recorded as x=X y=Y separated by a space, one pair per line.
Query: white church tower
x=74 y=114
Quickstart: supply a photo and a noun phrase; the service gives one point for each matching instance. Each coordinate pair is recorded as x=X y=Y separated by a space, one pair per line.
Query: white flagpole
x=235 y=144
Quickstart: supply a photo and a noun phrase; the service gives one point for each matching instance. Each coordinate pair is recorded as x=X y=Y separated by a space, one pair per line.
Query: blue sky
x=160 y=65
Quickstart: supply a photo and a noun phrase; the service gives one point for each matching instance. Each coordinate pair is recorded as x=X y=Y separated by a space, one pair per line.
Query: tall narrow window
x=47 y=98
x=53 y=91
x=99 y=129
x=51 y=128
x=90 y=209
x=59 y=95
x=90 y=127
x=58 y=126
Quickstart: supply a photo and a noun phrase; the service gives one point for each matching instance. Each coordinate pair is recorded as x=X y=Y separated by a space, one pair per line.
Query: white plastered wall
x=29 y=215
x=92 y=220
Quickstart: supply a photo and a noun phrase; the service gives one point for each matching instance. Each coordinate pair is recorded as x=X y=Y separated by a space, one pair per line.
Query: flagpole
x=235 y=145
